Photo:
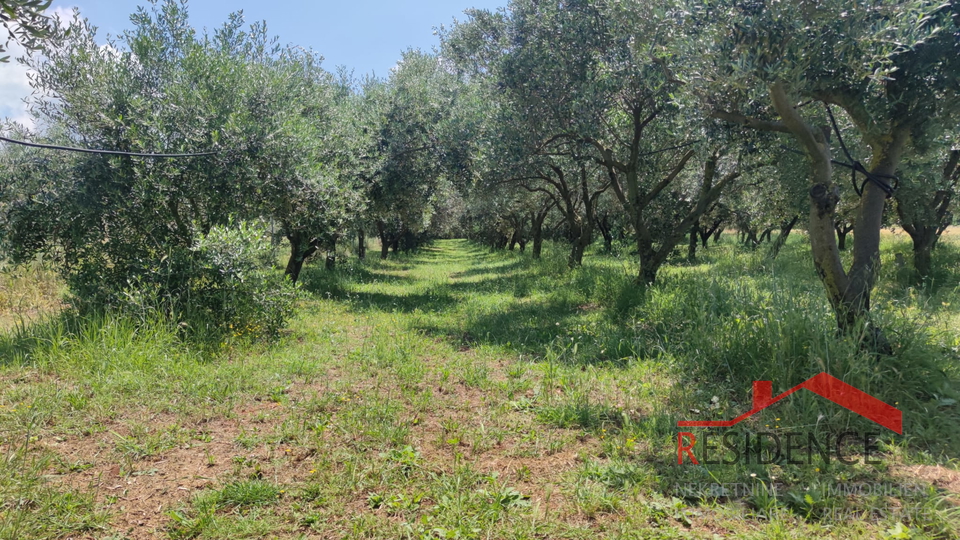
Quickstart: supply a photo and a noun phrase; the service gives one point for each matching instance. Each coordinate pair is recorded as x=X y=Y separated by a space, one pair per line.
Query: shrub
x=234 y=284
x=224 y=283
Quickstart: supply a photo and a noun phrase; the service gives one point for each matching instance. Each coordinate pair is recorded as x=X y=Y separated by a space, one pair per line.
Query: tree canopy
x=651 y=122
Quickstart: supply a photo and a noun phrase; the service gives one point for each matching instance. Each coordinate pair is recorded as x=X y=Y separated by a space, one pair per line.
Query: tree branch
x=809 y=138
x=750 y=122
x=652 y=194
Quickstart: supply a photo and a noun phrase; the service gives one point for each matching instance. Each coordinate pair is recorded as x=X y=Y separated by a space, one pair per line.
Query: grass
x=458 y=393
x=27 y=292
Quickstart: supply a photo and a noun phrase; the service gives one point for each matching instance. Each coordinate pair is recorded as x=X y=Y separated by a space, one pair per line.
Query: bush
x=234 y=284
x=224 y=283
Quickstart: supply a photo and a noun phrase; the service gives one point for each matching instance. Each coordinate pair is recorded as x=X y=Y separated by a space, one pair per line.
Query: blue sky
x=365 y=35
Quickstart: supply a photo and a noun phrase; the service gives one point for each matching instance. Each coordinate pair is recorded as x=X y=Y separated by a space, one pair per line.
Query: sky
x=364 y=35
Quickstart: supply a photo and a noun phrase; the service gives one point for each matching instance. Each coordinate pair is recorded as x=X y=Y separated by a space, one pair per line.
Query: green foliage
x=232 y=283
x=224 y=283
x=24 y=23
x=545 y=119
x=156 y=233
x=423 y=134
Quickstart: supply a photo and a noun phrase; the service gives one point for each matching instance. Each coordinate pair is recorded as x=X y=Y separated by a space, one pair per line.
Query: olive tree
x=420 y=150
x=925 y=200
x=122 y=225
x=594 y=81
x=891 y=67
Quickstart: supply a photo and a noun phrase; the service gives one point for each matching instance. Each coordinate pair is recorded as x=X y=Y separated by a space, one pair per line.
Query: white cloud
x=63 y=12
x=14 y=86
x=14 y=82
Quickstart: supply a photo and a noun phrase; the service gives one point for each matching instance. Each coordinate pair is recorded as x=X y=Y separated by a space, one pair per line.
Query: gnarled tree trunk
x=713 y=230
x=536 y=227
x=843 y=229
x=301 y=249
x=384 y=240
x=848 y=291
x=536 y=231
x=785 y=229
x=651 y=258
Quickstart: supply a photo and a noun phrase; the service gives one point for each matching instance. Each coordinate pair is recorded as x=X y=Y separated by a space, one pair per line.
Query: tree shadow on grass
x=504 y=268
x=336 y=283
x=492 y=285
x=537 y=331
x=390 y=265
x=405 y=303
x=582 y=414
x=464 y=251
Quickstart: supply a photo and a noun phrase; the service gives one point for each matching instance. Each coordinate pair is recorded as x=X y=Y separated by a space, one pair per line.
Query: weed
x=403 y=386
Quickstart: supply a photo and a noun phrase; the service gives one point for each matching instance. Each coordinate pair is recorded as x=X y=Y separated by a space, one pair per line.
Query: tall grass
x=716 y=327
x=28 y=292
x=582 y=355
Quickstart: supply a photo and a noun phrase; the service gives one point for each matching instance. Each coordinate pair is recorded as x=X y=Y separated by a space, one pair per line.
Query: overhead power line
x=107 y=152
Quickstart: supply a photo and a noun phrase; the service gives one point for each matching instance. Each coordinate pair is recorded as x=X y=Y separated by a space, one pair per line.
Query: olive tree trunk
x=692 y=246
x=536 y=233
x=848 y=291
x=785 y=229
x=384 y=240
x=301 y=249
x=843 y=229
x=536 y=227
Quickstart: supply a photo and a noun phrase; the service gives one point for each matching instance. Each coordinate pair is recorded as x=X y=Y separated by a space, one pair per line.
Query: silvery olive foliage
x=113 y=222
x=641 y=121
x=25 y=23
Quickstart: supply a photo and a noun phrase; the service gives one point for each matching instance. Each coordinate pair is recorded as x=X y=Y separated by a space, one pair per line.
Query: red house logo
x=824 y=385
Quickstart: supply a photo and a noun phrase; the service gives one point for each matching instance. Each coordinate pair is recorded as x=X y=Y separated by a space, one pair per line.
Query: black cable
x=858 y=167
x=858 y=189
x=835 y=162
x=108 y=152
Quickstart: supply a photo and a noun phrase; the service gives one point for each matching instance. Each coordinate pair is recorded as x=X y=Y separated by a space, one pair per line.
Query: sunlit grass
x=459 y=393
x=28 y=292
